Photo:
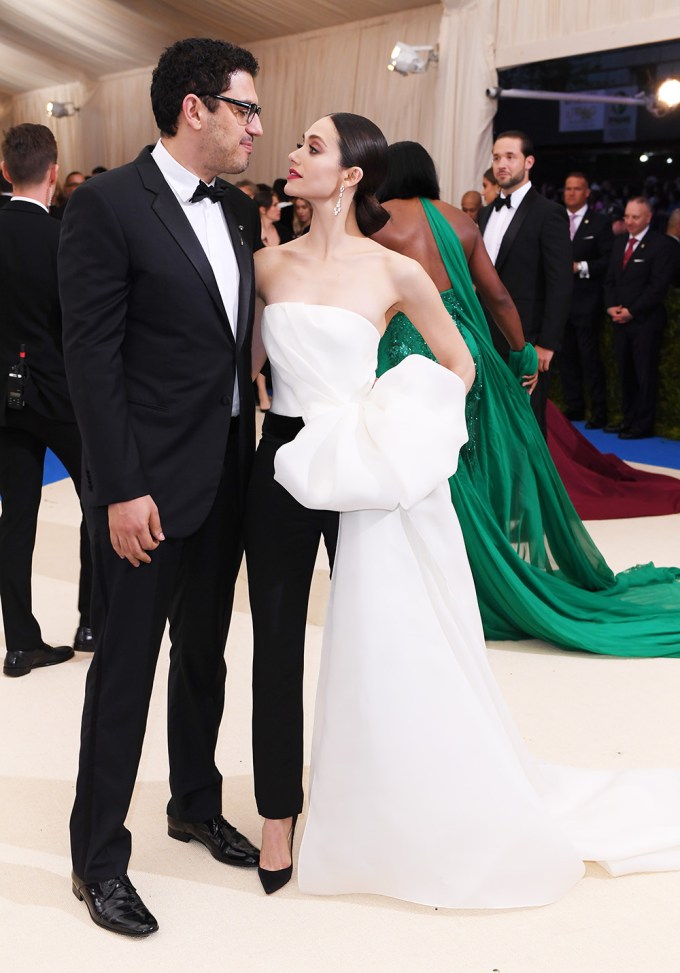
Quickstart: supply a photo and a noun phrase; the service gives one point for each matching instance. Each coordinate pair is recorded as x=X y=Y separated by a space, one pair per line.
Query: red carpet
x=602 y=486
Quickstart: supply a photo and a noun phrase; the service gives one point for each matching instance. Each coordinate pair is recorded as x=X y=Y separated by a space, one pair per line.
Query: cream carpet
x=570 y=706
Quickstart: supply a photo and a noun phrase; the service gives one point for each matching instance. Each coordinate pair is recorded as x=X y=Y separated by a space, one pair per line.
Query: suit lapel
x=243 y=259
x=168 y=210
x=584 y=227
x=484 y=218
x=516 y=224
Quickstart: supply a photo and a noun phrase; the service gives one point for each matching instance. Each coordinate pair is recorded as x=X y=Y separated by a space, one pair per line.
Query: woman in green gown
x=537 y=571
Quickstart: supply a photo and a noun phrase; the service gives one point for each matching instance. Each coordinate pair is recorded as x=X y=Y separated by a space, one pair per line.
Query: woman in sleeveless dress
x=421 y=787
x=537 y=571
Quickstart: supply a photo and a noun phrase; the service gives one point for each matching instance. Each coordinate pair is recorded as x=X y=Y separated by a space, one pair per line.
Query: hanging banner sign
x=582 y=116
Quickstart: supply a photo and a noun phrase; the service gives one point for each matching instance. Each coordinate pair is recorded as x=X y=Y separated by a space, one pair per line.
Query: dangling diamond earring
x=338 y=206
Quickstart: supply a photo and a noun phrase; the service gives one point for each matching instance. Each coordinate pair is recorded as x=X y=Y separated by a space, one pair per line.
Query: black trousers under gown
x=282 y=540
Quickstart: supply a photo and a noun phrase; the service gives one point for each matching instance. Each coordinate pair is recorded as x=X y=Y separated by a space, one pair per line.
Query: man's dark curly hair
x=196 y=65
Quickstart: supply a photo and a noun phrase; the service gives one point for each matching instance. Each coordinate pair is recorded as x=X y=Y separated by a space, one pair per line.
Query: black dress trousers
x=282 y=539
x=23 y=443
x=190 y=582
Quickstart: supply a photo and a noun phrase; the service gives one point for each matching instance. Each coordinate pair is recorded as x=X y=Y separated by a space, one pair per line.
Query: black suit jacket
x=29 y=308
x=643 y=285
x=592 y=242
x=150 y=354
x=535 y=264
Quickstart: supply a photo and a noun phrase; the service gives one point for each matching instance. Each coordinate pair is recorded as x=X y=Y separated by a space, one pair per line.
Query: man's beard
x=511 y=182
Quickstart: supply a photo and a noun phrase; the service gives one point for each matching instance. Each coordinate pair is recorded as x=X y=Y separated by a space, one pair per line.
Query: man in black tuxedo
x=43 y=417
x=580 y=362
x=640 y=271
x=156 y=277
x=527 y=237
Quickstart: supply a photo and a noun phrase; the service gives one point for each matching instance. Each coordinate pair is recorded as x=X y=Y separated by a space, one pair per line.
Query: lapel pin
x=241 y=231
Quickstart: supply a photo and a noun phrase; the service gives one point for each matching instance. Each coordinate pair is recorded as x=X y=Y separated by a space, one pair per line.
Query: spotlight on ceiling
x=61 y=109
x=406 y=59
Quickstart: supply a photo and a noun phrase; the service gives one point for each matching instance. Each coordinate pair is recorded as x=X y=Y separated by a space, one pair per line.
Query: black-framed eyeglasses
x=249 y=110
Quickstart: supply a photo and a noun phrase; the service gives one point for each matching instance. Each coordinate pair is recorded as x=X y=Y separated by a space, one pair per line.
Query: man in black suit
x=527 y=237
x=156 y=277
x=579 y=361
x=41 y=416
x=640 y=271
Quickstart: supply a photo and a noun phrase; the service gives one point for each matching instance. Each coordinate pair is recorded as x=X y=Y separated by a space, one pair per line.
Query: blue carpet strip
x=652 y=452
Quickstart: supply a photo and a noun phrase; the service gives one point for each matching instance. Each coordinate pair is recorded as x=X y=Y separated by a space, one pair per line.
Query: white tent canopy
x=315 y=58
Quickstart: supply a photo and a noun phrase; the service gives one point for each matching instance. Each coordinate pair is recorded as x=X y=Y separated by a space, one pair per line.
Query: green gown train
x=537 y=571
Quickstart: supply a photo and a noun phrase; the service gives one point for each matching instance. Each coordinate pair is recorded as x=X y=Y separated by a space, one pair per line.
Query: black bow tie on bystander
x=213 y=193
x=501 y=201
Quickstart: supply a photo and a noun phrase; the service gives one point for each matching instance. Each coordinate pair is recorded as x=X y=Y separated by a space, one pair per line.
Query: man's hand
x=135 y=528
x=620 y=314
x=544 y=358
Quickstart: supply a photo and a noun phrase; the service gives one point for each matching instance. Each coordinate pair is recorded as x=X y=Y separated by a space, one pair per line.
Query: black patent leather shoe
x=574 y=415
x=273 y=880
x=21 y=662
x=595 y=423
x=634 y=434
x=84 y=640
x=221 y=839
x=114 y=904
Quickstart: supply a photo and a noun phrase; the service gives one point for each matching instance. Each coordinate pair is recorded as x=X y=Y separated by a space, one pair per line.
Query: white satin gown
x=421 y=787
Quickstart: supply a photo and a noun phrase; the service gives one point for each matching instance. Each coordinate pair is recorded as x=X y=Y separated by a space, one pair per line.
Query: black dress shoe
x=634 y=434
x=221 y=839
x=115 y=905
x=84 y=640
x=272 y=881
x=615 y=427
x=21 y=662
x=574 y=415
x=596 y=423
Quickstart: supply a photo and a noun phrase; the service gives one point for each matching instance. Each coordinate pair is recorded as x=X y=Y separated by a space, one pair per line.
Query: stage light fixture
x=406 y=59
x=61 y=109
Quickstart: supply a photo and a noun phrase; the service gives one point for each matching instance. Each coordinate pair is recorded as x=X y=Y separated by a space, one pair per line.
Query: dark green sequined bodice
x=401 y=339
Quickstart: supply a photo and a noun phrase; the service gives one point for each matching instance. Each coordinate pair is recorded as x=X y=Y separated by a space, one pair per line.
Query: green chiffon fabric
x=537 y=571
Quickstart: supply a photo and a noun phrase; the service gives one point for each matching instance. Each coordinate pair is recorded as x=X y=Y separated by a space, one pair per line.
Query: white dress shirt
x=575 y=222
x=210 y=226
x=639 y=237
x=28 y=199
x=500 y=220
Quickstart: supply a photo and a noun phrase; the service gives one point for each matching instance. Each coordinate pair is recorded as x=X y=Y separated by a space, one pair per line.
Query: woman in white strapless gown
x=421 y=787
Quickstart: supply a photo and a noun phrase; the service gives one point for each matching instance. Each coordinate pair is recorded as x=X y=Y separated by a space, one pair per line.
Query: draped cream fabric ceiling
x=46 y=42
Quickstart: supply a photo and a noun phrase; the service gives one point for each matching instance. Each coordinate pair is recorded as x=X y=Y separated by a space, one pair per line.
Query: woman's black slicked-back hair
x=410 y=173
x=362 y=144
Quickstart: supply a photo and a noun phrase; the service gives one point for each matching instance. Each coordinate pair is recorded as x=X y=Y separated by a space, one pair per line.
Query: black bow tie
x=501 y=201
x=213 y=193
